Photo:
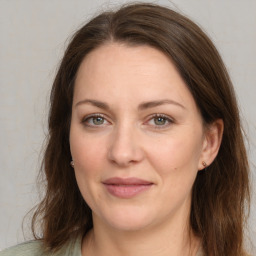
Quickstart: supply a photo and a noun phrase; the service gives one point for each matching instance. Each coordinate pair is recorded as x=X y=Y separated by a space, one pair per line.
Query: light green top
x=33 y=248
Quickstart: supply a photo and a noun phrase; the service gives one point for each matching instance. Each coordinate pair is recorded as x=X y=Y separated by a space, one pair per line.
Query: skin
x=128 y=141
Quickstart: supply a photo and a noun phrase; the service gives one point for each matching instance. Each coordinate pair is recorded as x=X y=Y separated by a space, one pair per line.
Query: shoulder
x=32 y=248
x=35 y=248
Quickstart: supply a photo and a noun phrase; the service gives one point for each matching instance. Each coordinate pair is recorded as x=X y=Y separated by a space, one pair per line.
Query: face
x=136 y=137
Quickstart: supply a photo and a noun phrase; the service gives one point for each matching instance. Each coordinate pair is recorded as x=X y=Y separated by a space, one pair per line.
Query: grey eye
x=98 y=120
x=160 y=120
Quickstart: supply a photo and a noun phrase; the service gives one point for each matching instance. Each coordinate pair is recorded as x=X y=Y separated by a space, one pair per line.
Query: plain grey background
x=33 y=36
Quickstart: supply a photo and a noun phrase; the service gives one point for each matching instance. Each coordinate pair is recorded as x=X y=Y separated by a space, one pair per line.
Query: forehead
x=115 y=72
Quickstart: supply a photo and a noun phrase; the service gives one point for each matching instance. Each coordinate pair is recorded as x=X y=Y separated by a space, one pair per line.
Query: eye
x=95 y=120
x=160 y=121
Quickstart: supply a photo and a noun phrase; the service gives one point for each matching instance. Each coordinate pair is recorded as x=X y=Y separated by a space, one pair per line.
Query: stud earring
x=72 y=163
x=204 y=164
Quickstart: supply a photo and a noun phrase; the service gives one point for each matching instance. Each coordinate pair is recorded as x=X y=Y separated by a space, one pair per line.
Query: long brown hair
x=220 y=194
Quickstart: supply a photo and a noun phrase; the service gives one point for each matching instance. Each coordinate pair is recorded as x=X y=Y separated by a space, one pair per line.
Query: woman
x=145 y=154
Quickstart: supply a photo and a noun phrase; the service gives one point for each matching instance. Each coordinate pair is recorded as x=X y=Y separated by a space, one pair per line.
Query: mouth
x=126 y=188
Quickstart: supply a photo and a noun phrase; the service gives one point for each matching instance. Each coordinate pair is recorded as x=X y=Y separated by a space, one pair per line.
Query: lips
x=126 y=188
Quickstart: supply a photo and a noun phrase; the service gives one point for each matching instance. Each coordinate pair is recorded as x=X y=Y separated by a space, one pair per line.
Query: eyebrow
x=95 y=103
x=156 y=103
x=142 y=106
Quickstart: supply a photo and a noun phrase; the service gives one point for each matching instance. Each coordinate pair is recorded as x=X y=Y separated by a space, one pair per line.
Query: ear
x=211 y=143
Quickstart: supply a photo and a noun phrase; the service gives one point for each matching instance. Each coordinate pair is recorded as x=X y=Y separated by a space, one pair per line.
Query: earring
x=204 y=164
x=72 y=163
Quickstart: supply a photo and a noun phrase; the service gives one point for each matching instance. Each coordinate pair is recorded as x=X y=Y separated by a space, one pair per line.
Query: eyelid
x=94 y=115
x=166 y=117
x=152 y=116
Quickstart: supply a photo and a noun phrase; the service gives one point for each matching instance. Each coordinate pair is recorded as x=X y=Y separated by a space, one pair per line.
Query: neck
x=173 y=239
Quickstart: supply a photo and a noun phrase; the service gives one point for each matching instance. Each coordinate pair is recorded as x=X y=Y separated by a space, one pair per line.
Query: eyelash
x=85 y=119
x=151 y=117
x=166 y=118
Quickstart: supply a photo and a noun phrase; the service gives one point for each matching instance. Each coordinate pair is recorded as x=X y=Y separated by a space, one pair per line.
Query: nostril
x=125 y=148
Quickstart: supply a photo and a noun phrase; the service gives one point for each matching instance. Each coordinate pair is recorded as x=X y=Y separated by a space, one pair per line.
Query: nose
x=125 y=147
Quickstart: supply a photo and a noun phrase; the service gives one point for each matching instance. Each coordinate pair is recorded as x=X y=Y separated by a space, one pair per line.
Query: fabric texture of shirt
x=34 y=248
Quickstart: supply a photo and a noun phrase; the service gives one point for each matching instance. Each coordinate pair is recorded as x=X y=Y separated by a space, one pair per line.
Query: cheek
x=176 y=154
x=87 y=152
x=176 y=165
x=175 y=159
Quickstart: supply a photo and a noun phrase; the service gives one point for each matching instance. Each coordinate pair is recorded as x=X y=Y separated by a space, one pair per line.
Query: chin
x=129 y=225
x=128 y=219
